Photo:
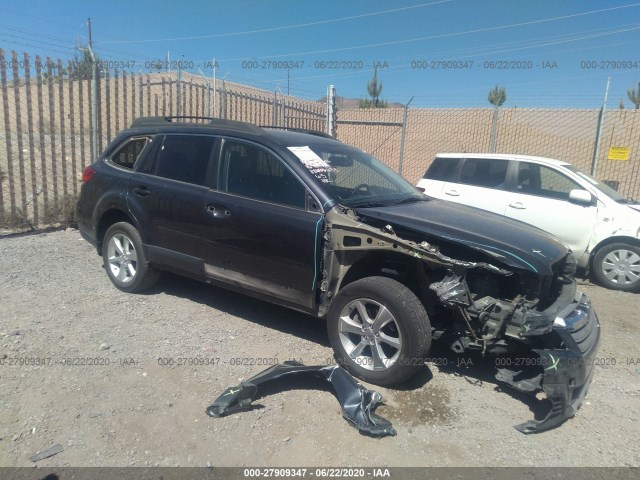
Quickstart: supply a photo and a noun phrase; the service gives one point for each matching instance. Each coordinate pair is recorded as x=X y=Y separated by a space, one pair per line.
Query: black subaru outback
x=300 y=219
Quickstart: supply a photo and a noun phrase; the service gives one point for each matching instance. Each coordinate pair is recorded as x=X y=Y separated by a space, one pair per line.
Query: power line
x=447 y=35
x=274 y=29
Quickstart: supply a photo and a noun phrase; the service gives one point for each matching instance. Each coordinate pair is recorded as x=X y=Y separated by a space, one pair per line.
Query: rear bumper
x=87 y=233
x=568 y=372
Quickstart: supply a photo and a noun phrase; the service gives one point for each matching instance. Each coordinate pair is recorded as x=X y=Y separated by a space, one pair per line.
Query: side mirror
x=580 y=196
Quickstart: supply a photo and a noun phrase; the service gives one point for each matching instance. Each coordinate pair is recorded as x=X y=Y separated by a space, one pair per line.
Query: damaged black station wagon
x=300 y=219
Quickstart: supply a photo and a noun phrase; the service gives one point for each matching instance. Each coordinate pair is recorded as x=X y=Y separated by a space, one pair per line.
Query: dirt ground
x=122 y=407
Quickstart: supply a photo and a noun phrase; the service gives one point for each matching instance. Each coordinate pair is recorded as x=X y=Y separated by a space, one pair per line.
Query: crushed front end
x=544 y=339
x=543 y=333
x=568 y=367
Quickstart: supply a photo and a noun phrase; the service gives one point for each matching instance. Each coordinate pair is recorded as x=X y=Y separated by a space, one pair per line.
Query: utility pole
x=89 y=25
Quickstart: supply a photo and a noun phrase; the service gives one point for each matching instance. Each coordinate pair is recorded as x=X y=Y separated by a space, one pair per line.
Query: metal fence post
x=331 y=110
x=596 y=148
x=494 y=130
x=223 y=101
x=404 y=133
x=283 y=118
x=179 y=90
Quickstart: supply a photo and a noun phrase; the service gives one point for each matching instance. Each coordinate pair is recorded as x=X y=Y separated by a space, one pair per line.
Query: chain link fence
x=57 y=117
x=564 y=134
x=54 y=121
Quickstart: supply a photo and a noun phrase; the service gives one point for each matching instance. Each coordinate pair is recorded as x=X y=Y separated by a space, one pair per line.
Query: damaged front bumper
x=568 y=371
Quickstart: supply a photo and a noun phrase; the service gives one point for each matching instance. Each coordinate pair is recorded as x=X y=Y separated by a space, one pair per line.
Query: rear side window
x=443 y=169
x=484 y=172
x=185 y=158
x=128 y=153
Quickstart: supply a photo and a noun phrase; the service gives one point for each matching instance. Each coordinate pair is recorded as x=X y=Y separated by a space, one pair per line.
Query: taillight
x=87 y=173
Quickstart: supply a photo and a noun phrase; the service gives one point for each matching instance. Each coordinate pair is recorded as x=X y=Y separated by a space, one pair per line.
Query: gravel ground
x=58 y=304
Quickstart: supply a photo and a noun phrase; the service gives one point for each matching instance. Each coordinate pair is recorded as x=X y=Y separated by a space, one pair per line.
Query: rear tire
x=379 y=330
x=124 y=259
x=617 y=266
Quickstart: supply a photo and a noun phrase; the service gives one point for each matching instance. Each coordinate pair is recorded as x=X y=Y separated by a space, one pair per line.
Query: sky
x=437 y=53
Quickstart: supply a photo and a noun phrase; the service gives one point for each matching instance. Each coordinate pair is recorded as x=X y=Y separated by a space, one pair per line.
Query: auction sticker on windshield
x=313 y=162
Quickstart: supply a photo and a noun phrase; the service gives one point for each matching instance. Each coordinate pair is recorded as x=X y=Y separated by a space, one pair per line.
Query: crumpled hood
x=512 y=242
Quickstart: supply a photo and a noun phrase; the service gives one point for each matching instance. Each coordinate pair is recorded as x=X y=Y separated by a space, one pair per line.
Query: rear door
x=481 y=183
x=261 y=233
x=168 y=196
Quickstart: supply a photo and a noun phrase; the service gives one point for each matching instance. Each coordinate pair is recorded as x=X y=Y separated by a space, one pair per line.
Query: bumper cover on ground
x=357 y=403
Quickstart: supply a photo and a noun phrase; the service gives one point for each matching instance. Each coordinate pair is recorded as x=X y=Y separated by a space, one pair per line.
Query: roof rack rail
x=203 y=121
x=301 y=130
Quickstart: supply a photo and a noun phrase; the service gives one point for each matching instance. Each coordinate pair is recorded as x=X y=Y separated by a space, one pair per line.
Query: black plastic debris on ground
x=358 y=403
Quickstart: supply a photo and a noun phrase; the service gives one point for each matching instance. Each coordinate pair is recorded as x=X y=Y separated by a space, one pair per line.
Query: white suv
x=601 y=227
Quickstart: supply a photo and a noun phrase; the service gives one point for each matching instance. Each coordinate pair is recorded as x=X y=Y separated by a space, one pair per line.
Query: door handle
x=453 y=193
x=141 y=191
x=518 y=206
x=218 y=211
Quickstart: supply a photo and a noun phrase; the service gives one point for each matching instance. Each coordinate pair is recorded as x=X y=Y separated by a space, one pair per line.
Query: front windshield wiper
x=411 y=200
x=366 y=204
x=628 y=201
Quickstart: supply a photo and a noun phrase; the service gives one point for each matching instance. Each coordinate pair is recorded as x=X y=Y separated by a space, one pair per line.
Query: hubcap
x=370 y=334
x=621 y=267
x=122 y=257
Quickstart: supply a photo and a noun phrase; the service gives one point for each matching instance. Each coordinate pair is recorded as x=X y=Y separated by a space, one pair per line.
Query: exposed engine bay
x=477 y=300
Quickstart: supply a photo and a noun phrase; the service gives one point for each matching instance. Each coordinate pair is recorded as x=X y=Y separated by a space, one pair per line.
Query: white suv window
x=543 y=181
x=484 y=172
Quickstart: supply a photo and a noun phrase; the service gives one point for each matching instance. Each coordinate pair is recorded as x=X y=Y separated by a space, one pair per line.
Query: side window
x=185 y=158
x=484 y=172
x=543 y=181
x=128 y=153
x=252 y=172
x=443 y=169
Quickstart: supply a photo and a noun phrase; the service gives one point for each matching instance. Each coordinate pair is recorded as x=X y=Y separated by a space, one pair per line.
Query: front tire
x=379 y=330
x=617 y=266
x=124 y=259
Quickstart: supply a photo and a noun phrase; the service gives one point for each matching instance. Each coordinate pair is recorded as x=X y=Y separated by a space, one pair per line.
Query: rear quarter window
x=443 y=169
x=127 y=155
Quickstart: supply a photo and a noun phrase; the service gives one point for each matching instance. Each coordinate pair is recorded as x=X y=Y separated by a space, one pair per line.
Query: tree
x=497 y=96
x=82 y=66
x=374 y=88
x=621 y=104
x=634 y=96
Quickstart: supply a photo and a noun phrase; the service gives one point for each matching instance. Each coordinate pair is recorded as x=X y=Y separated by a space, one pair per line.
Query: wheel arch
x=108 y=218
x=406 y=270
x=611 y=240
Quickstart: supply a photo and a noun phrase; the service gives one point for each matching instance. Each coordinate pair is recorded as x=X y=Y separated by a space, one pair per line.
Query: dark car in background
x=300 y=219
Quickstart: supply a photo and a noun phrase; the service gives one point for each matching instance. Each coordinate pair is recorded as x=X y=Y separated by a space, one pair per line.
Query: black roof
x=192 y=123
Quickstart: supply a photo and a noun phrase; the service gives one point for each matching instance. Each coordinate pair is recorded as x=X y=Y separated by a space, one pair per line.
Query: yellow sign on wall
x=618 y=153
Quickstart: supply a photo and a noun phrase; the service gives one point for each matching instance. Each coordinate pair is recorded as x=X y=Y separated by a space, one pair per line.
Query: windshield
x=355 y=178
x=603 y=187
